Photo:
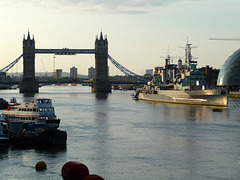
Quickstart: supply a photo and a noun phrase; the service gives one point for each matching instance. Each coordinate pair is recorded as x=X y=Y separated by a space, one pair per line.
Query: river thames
x=119 y=138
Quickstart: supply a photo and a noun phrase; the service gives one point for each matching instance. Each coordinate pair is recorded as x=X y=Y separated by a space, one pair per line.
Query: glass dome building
x=230 y=71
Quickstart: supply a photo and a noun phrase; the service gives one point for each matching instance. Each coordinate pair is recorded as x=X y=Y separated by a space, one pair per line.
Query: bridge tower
x=101 y=82
x=29 y=84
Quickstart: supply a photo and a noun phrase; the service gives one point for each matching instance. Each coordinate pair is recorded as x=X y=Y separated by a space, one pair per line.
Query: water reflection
x=191 y=156
x=28 y=97
x=4 y=152
x=40 y=149
x=51 y=151
x=101 y=95
x=194 y=113
x=101 y=132
x=28 y=94
x=189 y=112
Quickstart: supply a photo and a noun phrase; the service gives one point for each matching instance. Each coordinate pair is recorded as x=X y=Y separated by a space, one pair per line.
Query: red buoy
x=92 y=177
x=74 y=170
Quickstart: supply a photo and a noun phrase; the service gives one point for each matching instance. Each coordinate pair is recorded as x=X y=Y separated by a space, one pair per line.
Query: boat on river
x=4 y=140
x=211 y=97
x=183 y=84
x=34 y=123
x=13 y=102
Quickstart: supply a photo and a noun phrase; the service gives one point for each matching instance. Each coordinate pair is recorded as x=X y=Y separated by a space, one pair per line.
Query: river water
x=119 y=138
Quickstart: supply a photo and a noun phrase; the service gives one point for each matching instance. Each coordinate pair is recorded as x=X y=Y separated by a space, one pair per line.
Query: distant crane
x=54 y=65
x=225 y=39
x=43 y=67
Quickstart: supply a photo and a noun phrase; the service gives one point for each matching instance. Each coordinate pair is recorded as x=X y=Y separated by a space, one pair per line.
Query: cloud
x=103 y=6
x=123 y=6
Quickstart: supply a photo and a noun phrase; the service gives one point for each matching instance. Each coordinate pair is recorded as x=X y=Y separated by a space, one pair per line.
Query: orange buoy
x=92 y=177
x=74 y=170
x=40 y=166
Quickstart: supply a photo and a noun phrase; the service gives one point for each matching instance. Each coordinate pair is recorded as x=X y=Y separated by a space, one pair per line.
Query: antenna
x=168 y=51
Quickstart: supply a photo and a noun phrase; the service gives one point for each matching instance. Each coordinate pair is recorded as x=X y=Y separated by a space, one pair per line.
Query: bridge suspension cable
x=126 y=71
x=5 y=69
x=114 y=62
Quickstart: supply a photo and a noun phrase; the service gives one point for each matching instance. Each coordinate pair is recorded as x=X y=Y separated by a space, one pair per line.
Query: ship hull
x=200 y=97
x=46 y=138
x=4 y=141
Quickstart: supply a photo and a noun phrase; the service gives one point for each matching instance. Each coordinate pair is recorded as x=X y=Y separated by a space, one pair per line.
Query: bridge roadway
x=76 y=82
x=65 y=51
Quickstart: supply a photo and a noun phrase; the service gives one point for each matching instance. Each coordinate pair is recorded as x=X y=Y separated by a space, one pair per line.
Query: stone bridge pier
x=29 y=84
x=101 y=82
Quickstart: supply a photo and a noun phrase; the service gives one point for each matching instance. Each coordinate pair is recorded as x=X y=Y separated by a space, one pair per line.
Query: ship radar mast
x=168 y=58
x=188 y=54
x=167 y=69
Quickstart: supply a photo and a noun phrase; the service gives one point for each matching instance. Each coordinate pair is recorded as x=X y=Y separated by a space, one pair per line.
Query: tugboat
x=34 y=123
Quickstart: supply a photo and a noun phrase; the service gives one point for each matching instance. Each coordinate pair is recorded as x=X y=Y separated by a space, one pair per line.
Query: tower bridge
x=101 y=83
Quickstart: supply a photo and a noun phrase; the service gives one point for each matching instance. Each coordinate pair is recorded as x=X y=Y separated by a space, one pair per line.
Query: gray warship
x=183 y=84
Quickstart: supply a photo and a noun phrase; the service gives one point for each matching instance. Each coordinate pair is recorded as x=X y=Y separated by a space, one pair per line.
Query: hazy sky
x=139 y=31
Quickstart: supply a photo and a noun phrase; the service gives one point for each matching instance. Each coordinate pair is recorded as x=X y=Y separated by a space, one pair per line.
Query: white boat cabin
x=37 y=109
